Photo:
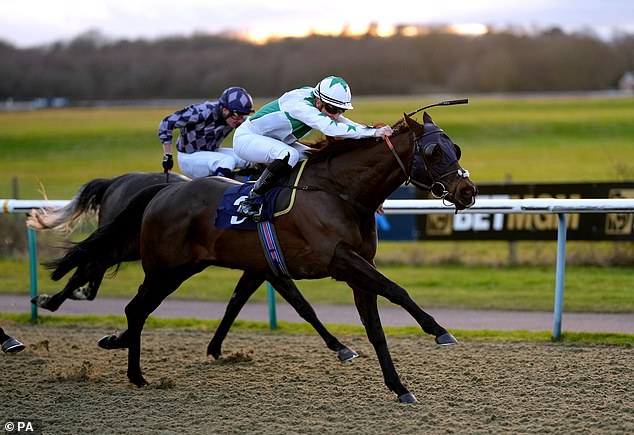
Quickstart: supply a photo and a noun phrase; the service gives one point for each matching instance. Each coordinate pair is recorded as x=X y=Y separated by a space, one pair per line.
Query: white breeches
x=204 y=163
x=263 y=149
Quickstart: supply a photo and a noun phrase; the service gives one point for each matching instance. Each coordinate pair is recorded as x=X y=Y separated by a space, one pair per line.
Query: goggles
x=332 y=109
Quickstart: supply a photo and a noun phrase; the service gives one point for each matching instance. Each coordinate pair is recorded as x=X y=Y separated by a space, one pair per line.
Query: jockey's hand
x=383 y=131
x=168 y=162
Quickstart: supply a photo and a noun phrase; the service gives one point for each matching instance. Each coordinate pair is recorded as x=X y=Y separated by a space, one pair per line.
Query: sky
x=38 y=22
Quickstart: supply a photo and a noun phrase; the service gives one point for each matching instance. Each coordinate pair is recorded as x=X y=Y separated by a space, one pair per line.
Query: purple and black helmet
x=237 y=100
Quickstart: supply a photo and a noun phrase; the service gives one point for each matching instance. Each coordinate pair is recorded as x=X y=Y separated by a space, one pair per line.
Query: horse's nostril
x=468 y=191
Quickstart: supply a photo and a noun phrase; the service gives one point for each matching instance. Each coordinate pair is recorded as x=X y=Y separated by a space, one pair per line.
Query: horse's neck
x=369 y=174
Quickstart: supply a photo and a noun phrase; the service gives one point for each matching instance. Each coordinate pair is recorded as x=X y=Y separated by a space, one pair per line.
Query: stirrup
x=253 y=211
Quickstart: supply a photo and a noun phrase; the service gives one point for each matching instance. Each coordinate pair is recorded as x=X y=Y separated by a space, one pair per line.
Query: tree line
x=200 y=66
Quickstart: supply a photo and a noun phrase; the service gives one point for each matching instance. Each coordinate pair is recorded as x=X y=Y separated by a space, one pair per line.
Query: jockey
x=203 y=127
x=270 y=136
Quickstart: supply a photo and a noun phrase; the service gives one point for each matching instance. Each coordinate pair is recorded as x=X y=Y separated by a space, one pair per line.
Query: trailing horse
x=330 y=231
x=104 y=198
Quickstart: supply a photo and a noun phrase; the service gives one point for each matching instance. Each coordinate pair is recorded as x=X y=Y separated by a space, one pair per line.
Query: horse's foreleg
x=247 y=285
x=347 y=265
x=292 y=295
x=369 y=313
x=150 y=295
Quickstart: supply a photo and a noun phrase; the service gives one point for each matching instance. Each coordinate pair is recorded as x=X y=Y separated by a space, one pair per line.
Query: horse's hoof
x=42 y=301
x=11 y=345
x=138 y=380
x=104 y=342
x=346 y=355
x=213 y=352
x=408 y=398
x=110 y=342
x=446 y=339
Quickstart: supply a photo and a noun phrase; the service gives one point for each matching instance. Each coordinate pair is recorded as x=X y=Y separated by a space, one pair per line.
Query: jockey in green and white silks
x=270 y=136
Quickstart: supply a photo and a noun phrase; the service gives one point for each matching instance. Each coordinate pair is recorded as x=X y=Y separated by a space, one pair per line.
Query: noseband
x=437 y=186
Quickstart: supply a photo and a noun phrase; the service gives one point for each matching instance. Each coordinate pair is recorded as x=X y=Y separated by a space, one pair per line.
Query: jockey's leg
x=224 y=162
x=269 y=178
x=205 y=163
x=280 y=157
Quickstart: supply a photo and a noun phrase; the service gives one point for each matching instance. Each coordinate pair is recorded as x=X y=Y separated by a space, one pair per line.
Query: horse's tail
x=85 y=203
x=112 y=243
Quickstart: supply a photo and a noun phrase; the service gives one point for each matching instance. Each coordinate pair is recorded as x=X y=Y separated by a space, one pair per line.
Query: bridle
x=437 y=187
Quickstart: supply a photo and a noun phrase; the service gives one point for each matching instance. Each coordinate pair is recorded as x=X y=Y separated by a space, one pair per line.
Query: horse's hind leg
x=247 y=285
x=89 y=292
x=52 y=303
x=292 y=295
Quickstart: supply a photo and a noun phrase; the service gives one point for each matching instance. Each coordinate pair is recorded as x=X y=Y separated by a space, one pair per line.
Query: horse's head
x=435 y=164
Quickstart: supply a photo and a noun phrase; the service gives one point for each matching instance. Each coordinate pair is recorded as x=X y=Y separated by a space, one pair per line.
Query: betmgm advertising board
x=467 y=226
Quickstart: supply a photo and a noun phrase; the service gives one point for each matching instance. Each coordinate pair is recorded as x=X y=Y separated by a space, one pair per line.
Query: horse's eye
x=458 y=151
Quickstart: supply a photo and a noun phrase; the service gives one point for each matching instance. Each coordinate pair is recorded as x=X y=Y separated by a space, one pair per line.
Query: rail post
x=32 y=236
x=559 y=275
x=272 y=312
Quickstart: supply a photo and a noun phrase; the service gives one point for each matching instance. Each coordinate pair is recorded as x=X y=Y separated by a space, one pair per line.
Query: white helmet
x=334 y=90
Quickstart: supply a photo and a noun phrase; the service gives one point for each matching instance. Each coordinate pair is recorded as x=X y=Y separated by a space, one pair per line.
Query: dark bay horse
x=103 y=198
x=330 y=232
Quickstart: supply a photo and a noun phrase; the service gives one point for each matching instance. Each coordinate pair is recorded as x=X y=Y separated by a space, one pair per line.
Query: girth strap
x=272 y=249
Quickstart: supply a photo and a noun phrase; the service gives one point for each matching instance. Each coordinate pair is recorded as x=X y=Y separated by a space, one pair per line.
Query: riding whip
x=442 y=103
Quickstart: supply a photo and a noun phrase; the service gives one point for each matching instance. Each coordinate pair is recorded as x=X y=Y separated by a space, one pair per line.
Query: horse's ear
x=413 y=125
x=427 y=119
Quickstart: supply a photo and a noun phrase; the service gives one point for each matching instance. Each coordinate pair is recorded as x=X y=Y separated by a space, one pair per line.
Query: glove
x=168 y=162
x=383 y=131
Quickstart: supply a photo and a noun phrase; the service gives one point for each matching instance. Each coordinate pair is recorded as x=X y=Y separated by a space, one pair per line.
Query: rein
x=398 y=159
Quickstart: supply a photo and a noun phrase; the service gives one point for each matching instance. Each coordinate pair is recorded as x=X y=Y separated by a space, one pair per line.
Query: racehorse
x=105 y=198
x=330 y=232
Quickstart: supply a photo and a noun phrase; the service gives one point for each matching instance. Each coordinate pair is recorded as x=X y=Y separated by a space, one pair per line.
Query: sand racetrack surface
x=270 y=383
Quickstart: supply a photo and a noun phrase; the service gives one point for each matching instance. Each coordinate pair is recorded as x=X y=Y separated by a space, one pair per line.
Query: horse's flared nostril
x=468 y=191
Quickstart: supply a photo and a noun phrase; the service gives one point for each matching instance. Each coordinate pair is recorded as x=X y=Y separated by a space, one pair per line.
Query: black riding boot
x=269 y=178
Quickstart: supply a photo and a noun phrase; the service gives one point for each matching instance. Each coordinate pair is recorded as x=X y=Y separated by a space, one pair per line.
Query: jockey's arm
x=344 y=128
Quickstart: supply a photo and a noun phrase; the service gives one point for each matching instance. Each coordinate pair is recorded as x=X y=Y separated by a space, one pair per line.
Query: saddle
x=276 y=202
x=288 y=189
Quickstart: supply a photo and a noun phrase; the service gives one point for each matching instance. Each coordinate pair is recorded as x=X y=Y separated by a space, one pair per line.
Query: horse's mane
x=330 y=147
